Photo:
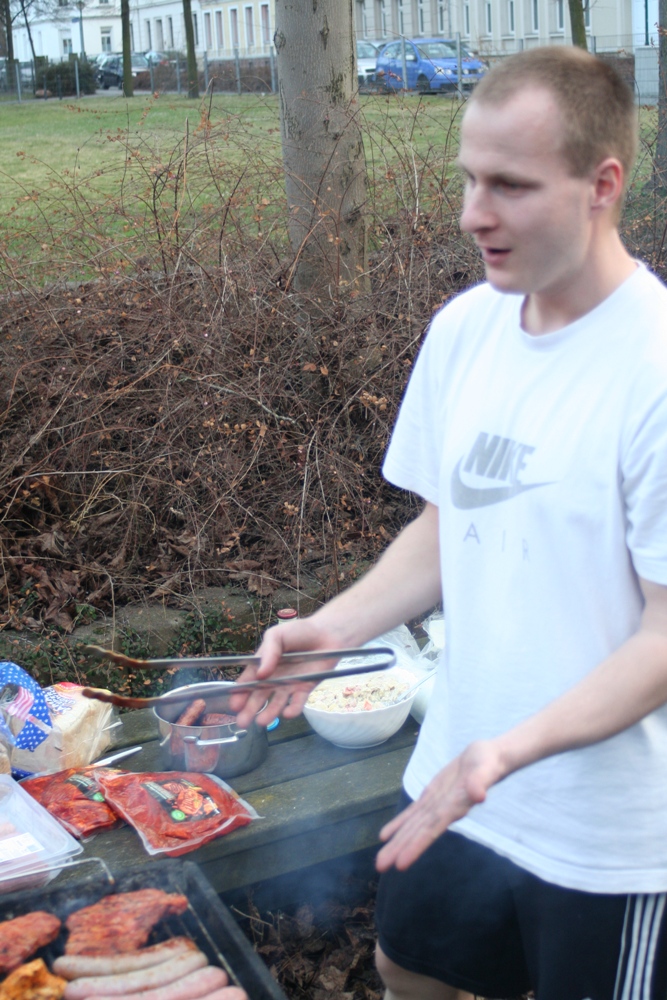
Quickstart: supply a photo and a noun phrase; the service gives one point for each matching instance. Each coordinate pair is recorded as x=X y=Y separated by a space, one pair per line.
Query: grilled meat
x=121 y=922
x=32 y=982
x=22 y=936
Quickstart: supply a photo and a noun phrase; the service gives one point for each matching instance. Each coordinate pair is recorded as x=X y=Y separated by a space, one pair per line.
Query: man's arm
x=618 y=693
x=403 y=583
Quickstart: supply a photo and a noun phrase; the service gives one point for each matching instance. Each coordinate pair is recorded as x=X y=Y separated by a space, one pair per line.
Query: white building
x=245 y=27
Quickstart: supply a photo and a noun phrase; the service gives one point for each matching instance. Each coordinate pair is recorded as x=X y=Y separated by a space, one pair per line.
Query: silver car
x=366 y=56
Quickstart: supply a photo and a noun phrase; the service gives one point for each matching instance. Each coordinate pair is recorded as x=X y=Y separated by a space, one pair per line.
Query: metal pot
x=224 y=750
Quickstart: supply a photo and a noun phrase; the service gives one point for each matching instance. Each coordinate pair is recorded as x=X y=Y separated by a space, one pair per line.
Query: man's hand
x=619 y=692
x=301 y=635
x=404 y=583
x=448 y=797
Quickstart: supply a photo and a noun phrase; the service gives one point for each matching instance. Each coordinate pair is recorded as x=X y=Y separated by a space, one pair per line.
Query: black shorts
x=476 y=921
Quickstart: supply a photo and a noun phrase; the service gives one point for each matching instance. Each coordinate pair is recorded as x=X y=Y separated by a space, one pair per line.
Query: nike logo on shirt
x=496 y=458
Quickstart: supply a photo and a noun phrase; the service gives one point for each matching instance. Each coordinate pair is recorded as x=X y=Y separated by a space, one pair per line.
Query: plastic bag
x=418 y=661
x=75 y=800
x=175 y=811
x=54 y=728
x=7 y=743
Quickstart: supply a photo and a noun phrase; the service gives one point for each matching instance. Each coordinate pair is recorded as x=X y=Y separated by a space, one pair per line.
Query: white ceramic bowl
x=363 y=728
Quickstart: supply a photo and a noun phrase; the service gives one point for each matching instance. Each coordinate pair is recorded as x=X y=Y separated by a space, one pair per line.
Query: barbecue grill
x=207 y=920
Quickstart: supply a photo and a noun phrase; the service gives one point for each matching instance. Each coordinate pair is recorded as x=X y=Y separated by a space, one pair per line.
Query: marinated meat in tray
x=121 y=922
x=72 y=796
x=22 y=936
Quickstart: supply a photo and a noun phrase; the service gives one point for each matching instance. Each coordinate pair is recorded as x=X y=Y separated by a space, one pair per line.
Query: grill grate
x=207 y=920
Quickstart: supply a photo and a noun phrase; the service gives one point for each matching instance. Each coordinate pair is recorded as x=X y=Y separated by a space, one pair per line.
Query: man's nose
x=477 y=211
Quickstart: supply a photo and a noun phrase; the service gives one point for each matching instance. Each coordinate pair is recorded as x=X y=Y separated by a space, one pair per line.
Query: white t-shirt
x=547 y=458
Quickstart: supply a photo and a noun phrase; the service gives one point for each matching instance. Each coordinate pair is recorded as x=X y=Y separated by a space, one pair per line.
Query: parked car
x=366 y=56
x=110 y=70
x=157 y=58
x=430 y=64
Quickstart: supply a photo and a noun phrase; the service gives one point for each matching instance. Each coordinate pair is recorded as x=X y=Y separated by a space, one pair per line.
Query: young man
x=532 y=849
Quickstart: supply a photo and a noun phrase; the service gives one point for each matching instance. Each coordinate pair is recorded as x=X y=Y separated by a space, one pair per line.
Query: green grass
x=95 y=183
x=47 y=142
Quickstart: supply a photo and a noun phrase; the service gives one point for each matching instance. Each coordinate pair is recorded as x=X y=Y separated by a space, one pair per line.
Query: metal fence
x=229 y=72
x=17 y=79
x=637 y=63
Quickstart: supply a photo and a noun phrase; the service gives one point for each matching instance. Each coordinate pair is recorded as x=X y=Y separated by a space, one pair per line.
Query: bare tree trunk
x=193 y=81
x=577 y=23
x=27 y=28
x=323 y=151
x=660 y=162
x=9 y=37
x=128 y=85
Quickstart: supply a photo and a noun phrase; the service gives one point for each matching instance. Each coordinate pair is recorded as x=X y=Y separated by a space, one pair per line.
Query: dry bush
x=176 y=418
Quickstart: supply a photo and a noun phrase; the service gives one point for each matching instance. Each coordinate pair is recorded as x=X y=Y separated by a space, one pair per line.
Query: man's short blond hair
x=598 y=109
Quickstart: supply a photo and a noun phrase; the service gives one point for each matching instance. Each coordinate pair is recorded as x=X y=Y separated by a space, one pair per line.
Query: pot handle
x=239 y=734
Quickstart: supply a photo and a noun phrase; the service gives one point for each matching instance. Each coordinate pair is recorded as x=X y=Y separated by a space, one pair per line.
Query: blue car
x=430 y=64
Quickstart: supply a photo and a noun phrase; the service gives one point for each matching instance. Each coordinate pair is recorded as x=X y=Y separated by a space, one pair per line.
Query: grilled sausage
x=217 y=719
x=191 y=713
x=141 y=980
x=77 y=966
x=188 y=717
x=194 y=986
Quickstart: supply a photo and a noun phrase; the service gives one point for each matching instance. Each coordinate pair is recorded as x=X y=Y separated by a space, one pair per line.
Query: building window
x=466 y=18
x=421 y=15
x=149 y=36
x=401 y=17
x=170 y=31
x=195 y=25
x=234 y=26
x=105 y=39
x=104 y=1
x=560 y=15
x=535 y=14
x=67 y=46
x=441 y=16
x=488 y=17
x=63 y=3
x=249 y=27
x=132 y=45
x=159 y=34
x=364 y=18
x=587 y=14
x=510 y=17
x=384 y=18
x=219 y=38
x=265 y=23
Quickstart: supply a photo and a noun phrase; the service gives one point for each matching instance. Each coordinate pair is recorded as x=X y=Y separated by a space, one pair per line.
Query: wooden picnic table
x=318 y=802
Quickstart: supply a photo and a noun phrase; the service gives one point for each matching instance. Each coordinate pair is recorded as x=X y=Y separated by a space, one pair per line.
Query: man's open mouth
x=493 y=254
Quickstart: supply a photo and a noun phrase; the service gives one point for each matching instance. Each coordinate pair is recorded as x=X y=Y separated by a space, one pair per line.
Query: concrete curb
x=156 y=627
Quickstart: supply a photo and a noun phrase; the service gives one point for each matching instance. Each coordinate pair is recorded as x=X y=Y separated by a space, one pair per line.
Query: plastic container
x=33 y=845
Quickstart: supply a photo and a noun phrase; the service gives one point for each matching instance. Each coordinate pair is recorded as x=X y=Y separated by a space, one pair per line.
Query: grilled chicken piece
x=121 y=922
x=22 y=936
x=32 y=982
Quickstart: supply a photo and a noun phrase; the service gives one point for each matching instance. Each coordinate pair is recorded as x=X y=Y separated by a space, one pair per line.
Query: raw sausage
x=141 y=980
x=196 y=986
x=77 y=966
x=227 y=993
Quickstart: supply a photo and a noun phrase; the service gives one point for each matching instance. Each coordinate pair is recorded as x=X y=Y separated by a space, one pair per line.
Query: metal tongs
x=386 y=655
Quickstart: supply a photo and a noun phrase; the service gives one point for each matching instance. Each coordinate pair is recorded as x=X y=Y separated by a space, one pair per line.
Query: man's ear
x=608 y=181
